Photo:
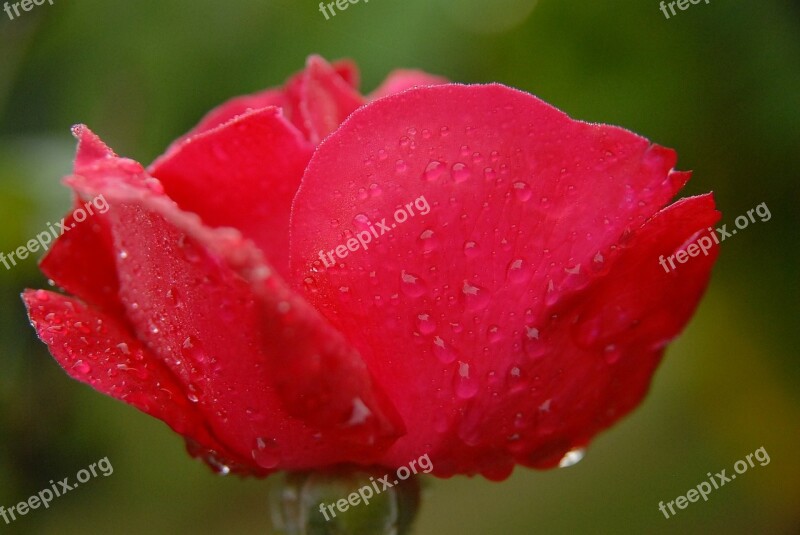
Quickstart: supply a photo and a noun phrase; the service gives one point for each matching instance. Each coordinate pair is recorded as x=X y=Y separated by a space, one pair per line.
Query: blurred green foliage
x=719 y=82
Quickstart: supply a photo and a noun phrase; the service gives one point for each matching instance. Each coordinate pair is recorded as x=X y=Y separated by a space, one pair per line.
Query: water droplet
x=123 y=254
x=124 y=348
x=519 y=271
x=466 y=386
x=265 y=454
x=81 y=367
x=612 y=353
x=310 y=285
x=471 y=249
x=434 y=170
x=493 y=334
x=400 y=167
x=192 y=351
x=411 y=285
x=572 y=457
x=475 y=297
x=442 y=352
x=522 y=191
x=428 y=241
x=460 y=172
x=424 y=324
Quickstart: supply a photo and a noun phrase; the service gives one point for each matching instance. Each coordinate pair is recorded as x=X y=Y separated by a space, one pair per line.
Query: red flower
x=515 y=310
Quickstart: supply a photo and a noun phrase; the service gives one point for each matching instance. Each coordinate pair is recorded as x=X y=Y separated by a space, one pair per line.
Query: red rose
x=461 y=271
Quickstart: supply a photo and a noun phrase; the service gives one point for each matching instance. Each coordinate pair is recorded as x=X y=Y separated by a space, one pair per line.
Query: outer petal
x=95 y=279
x=242 y=174
x=516 y=208
x=249 y=352
x=98 y=350
x=403 y=79
x=591 y=361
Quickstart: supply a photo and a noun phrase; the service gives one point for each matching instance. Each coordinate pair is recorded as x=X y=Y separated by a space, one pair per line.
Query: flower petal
x=515 y=209
x=243 y=174
x=273 y=379
x=326 y=99
x=402 y=79
x=94 y=281
x=96 y=349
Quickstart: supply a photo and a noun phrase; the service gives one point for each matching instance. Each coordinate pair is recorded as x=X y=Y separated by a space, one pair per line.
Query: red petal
x=403 y=79
x=243 y=174
x=591 y=361
x=94 y=282
x=326 y=99
x=245 y=346
x=96 y=349
x=526 y=207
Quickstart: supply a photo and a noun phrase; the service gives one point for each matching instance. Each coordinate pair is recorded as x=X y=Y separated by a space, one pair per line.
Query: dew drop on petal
x=411 y=285
x=522 y=191
x=475 y=297
x=519 y=271
x=471 y=249
x=81 y=367
x=424 y=324
x=466 y=386
x=493 y=334
x=434 y=170
x=572 y=457
x=444 y=353
x=428 y=241
x=460 y=172
x=612 y=353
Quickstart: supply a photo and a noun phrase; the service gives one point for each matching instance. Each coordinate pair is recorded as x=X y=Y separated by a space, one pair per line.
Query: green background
x=719 y=82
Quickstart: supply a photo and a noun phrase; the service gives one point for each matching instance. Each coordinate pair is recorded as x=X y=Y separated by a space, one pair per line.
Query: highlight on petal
x=493 y=211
